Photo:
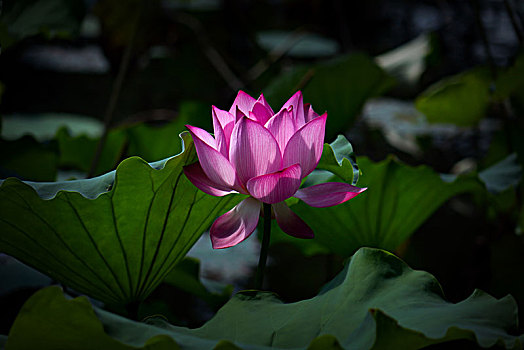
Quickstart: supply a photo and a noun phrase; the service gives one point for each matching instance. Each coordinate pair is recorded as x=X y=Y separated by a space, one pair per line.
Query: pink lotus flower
x=265 y=155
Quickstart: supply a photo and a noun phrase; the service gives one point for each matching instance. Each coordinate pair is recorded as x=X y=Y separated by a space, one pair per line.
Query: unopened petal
x=261 y=113
x=281 y=127
x=225 y=121
x=309 y=113
x=214 y=164
x=298 y=108
x=253 y=150
x=262 y=100
x=236 y=225
x=244 y=102
x=196 y=175
x=202 y=135
x=275 y=187
x=305 y=146
x=222 y=142
x=328 y=194
x=290 y=222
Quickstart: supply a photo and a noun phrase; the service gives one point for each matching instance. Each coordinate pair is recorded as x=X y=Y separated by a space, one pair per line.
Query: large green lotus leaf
x=114 y=237
x=82 y=331
x=339 y=86
x=376 y=302
x=461 y=99
x=398 y=200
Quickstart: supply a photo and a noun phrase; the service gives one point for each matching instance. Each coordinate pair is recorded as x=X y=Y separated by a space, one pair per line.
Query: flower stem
x=259 y=278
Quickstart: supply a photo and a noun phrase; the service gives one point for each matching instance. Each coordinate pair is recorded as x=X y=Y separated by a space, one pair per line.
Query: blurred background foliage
x=429 y=93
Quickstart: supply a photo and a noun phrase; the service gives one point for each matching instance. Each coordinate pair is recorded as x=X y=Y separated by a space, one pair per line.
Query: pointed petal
x=281 y=127
x=309 y=113
x=290 y=222
x=226 y=119
x=217 y=167
x=239 y=114
x=305 y=146
x=275 y=187
x=262 y=100
x=202 y=135
x=236 y=225
x=253 y=150
x=221 y=138
x=244 y=102
x=298 y=108
x=196 y=175
x=262 y=113
x=328 y=194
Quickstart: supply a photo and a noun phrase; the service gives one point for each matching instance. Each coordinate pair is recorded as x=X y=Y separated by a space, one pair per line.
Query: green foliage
x=82 y=329
x=376 y=302
x=398 y=200
x=339 y=159
x=461 y=99
x=28 y=159
x=510 y=81
x=115 y=237
x=148 y=142
x=509 y=84
x=339 y=86
x=21 y=19
x=77 y=152
x=73 y=146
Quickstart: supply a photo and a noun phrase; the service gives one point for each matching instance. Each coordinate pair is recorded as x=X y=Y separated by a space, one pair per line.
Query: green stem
x=259 y=279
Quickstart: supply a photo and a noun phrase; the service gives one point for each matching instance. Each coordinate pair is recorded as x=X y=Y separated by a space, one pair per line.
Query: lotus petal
x=281 y=127
x=244 y=102
x=217 y=167
x=290 y=222
x=328 y=194
x=275 y=187
x=223 y=123
x=196 y=175
x=309 y=113
x=202 y=135
x=305 y=146
x=261 y=113
x=262 y=100
x=298 y=108
x=236 y=225
x=253 y=150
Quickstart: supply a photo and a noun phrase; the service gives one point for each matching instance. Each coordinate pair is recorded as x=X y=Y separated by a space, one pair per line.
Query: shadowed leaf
x=376 y=302
x=339 y=86
x=114 y=237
